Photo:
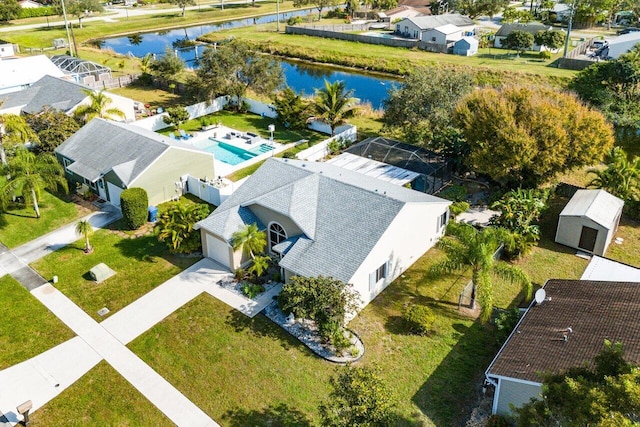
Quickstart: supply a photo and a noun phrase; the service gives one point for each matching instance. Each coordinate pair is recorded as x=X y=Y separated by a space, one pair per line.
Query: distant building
x=532 y=29
x=414 y=27
x=29 y=4
x=7 y=49
x=20 y=73
x=466 y=46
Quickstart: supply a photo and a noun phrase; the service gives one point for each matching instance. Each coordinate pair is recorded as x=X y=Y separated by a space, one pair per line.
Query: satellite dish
x=541 y=294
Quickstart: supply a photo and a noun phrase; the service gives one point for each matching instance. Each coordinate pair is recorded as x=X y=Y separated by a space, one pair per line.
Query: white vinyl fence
x=321 y=150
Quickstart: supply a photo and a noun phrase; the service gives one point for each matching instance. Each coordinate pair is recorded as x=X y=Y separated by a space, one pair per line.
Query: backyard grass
x=27 y=327
x=100 y=398
x=19 y=225
x=141 y=263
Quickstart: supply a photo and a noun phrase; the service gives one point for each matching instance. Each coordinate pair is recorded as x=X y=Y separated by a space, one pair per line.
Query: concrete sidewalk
x=154 y=387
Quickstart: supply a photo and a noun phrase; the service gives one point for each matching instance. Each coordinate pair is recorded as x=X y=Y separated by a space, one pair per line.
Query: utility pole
x=566 y=42
x=66 y=26
x=277 y=16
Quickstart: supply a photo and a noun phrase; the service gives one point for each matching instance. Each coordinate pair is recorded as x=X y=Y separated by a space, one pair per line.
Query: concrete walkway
x=154 y=387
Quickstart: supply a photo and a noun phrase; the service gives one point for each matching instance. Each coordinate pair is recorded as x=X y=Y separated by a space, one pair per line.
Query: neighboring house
x=622 y=44
x=29 y=4
x=324 y=220
x=443 y=34
x=466 y=46
x=7 y=50
x=61 y=95
x=532 y=29
x=400 y=12
x=589 y=221
x=109 y=157
x=608 y=270
x=566 y=330
x=414 y=27
x=20 y=73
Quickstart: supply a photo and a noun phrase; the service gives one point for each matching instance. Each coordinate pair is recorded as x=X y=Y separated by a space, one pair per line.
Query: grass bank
x=27 y=328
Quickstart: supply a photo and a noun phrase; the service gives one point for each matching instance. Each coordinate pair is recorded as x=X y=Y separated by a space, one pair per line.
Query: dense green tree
x=333 y=104
x=621 y=176
x=14 y=131
x=511 y=14
x=183 y=4
x=232 y=70
x=381 y=4
x=522 y=137
x=167 y=66
x=359 y=397
x=420 y=110
x=176 y=116
x=318 y=4
x=175 y=226
x=98 y=106
x=250 y=240
x=9 y=9
x=605 y=393
x=550 y=39
x=53 y=127
x=519 y=41
x=79 y=8
x=468 y=248
x=291 y=108
x=475 y=8
x=134 y=203
x=29 y=175
x=85 y=229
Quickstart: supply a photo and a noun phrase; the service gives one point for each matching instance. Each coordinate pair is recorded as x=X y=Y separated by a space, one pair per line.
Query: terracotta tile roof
x=595 y=311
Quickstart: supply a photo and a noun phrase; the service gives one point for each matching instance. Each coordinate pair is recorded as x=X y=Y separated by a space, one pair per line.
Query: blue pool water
x=230 y=154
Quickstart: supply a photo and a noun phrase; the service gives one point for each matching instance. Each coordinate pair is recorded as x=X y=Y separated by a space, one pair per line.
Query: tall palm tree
x=14 y=130
x=250 y=240
x=465 y=248
x=333 y=104
x=29 y=175
x=85 y=229
x=97 y=107
x=621 y=177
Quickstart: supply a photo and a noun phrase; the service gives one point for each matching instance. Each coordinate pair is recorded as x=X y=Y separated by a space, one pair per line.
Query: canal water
x=302 y=77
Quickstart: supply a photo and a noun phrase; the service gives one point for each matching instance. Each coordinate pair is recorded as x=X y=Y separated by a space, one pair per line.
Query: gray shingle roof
x=48 y=91
x=507 y=29
x=342 y=213
x=102 y=145
x=429 y=22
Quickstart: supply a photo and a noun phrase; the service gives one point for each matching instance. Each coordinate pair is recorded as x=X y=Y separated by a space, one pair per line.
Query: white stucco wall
x=413 y=232
x=514 y=393
x=408 y=29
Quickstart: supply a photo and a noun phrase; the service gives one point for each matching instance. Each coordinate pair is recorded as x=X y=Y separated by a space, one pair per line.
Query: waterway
x=302 y=77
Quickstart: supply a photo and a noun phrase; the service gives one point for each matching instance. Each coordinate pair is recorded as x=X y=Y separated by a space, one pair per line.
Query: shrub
x=175 y=226
x=241 y=274
x=455 y=193
x=134 y=203
x=505 y=322
x=294 y=20
x=545 y=54
x=251 y=290
x=288 y=155
x=497 y=421
x=419 y=318
x=36 y=12
x=457 y=208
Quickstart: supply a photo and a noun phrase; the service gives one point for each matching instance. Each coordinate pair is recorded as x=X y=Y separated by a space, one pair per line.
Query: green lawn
x=27 y=327
x=100 y=398
x=19 y=225
x=140 y=263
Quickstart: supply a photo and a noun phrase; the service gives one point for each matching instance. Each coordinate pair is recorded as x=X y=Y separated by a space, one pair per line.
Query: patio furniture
x=184 y=135
x=173 y=136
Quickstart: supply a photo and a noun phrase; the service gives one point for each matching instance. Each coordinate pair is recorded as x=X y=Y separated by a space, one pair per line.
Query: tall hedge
x=134 y=203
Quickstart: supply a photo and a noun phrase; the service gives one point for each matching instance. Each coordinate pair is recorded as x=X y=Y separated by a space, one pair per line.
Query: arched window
x=276 y=234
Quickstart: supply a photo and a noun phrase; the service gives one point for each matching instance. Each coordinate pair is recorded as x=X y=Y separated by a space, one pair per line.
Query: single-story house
x=109 y=157
x=565 y=330
x=532 y=29
x=29 y=4
x=466 y=46
x=7 y=50
x=321 y=219
x=20 y=73
x=442 y=35
x=589 y=221
x=400 y=12
x=59 y=94
x=622 y=44
x=414 y=27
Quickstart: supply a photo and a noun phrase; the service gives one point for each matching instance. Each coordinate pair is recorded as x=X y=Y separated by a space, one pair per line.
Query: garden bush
x=134 y=203
x=252 y=290
x=545 y=54
x=294 y=20
x=288 y=155
x=455 y=193
x=36 y=12
x=419 y=318
x=457 y=208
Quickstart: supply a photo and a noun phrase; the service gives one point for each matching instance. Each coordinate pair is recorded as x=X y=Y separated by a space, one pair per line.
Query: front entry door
x=101 y=191
x=588 y=238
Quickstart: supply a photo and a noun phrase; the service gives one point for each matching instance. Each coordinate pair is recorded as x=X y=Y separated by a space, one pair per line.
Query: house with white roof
x=20 y=73
x=109 y=157
x=608 y=270
x=622 y=44
x=321 y=219
x=7 y=50
x=414 y=27
x=589 y=221
x=443 y=34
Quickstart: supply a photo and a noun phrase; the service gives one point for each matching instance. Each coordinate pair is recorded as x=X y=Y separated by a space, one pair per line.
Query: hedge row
x=34 y=12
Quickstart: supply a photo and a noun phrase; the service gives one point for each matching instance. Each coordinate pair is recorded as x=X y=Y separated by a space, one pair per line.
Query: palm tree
x=333 y=105
x=469 y=248
x=29 y=175
x=14 y=130
x=97 y=107
x=260 y=265
x=175 y=226
x=85 y=229
x=621 y=177
x=250 y=239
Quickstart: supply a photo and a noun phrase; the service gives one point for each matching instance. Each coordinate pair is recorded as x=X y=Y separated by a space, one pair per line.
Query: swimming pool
x=231 y=154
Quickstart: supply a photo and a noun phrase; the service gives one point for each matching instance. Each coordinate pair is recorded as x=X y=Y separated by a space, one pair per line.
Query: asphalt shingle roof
x=50 y=91
x=102 y=145
x=507 y=29
x=342 y=213
x=429 y=22
x=594 y=310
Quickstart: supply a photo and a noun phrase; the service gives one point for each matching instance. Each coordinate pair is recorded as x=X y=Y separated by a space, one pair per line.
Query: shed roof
x=470 y=40
x=342 y=213
x=597 y=205
x=507 y=29
x=595 y=311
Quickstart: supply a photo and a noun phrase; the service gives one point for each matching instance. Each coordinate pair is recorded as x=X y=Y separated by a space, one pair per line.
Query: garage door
x=114 y=194
x=218 y=250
